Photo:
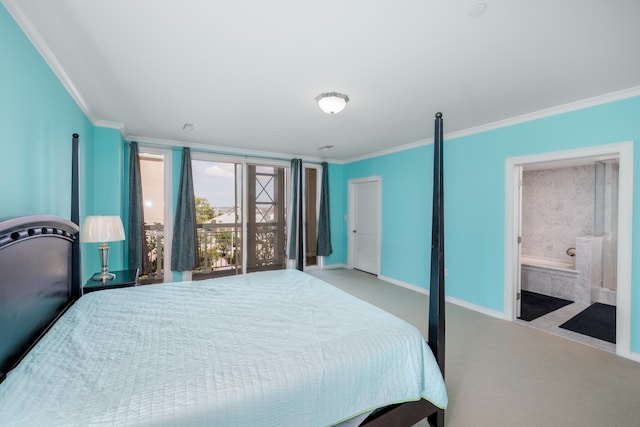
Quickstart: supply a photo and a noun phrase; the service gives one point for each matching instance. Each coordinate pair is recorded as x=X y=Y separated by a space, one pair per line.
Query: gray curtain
x=296 y=221
x=137 y=242
x=184 y=249
x=324 y=222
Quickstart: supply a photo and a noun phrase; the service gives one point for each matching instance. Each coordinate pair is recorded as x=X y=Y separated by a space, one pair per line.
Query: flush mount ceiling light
x=332 y=102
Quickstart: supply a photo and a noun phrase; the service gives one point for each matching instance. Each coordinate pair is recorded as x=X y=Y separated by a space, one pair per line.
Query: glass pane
x=311 y=222
x=219 y=217
x=266 y=223
x=152 y=177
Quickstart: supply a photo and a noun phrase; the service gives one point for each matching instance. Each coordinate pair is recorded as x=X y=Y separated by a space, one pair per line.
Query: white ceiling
x=247 y=71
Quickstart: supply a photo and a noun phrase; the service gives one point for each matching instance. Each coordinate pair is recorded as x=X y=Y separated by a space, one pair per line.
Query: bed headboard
x=39 y=273
x=39 y=279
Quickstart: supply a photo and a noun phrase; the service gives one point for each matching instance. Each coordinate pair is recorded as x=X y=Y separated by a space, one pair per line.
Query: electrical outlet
x=446 y=272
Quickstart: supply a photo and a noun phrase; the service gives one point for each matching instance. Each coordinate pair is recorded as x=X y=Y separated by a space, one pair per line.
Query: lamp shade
x=332 y=102
x=100 y=229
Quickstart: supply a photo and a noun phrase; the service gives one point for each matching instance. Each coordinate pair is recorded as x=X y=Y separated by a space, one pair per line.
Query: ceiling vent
x=190 y=127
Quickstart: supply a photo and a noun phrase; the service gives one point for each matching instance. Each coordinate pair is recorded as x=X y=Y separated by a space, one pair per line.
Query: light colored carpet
x=501 y=373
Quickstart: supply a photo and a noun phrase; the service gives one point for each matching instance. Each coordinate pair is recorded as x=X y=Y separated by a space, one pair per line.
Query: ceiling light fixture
x=332 y=102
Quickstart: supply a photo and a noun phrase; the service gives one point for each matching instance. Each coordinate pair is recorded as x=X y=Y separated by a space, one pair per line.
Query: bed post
x=436 y=291
x=75 y=216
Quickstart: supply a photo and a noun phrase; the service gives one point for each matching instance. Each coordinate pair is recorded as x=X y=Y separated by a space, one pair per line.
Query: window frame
x=319 y=259
x=168 y=211
x=245 y=161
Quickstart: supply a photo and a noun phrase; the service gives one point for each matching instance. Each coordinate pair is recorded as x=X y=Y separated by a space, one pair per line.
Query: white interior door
x=364 y=225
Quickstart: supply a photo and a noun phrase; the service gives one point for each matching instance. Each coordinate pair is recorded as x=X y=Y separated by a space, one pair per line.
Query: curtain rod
x=224 y=153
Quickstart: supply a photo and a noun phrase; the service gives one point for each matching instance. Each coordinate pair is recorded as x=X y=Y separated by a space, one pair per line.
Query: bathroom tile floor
x=551 y=323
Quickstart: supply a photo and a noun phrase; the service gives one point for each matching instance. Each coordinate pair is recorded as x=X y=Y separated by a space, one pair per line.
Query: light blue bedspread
x=275 y=348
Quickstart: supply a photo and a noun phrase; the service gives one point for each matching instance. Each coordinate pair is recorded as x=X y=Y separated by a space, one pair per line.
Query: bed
x=278 y=348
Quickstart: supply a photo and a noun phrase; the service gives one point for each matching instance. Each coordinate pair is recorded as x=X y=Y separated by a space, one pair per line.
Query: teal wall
x=39 y=118
x=104 y=194
x=406 y=181
x=475 y=200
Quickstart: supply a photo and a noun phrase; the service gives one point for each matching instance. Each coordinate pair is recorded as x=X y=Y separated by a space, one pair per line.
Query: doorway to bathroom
x=566 y=267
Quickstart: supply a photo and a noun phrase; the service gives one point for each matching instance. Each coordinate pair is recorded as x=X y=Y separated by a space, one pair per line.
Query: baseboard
x=478 y=308
x=452 y=300
x=498 y=315
x=634 y=356
x=403 y=284
x=332 y=266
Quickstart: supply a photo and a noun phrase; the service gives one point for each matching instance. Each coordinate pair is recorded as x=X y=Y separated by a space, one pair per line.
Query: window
x=218 y=195
x=240 y=212
x=152 y=174
x=241 y=215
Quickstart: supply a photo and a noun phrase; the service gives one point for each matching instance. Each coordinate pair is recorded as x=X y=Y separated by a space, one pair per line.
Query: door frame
x=305 y=165
x=167 y=153
x=519 y=169
x=352 y=183
x=624 y=152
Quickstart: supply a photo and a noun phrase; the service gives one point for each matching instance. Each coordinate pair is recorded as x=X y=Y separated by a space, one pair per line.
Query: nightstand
x=123 y=279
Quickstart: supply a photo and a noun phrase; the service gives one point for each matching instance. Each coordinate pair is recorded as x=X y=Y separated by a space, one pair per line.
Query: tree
x=204 y=211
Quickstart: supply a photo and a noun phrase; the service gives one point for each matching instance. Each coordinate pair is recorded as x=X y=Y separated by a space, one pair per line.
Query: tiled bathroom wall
x=557 y=208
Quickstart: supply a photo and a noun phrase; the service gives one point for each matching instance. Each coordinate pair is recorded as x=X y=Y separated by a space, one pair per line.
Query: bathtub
x=549 y=277
x=547 y=263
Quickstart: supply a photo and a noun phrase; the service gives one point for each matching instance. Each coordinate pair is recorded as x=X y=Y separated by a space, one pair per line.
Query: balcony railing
x=154 y=234
x=268 y=252
x=220 y=250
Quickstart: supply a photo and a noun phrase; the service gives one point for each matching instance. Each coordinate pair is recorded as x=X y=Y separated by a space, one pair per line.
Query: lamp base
x=105 y=276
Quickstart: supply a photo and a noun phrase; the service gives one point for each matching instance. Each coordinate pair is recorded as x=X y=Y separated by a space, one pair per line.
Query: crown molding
x=552 y=111
x=39 y=43
x=14 y=9
x=548 y=112
x=223 y=150
x=392 y=150
x=111 y=125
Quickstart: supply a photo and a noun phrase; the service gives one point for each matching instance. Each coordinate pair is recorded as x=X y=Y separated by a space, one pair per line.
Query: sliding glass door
x=266 y=218
x=240 y=211
x=218 y=193
x=233 y=229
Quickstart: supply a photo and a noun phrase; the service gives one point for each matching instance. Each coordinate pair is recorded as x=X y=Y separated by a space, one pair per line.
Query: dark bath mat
x=597 y=321
x=534 y=305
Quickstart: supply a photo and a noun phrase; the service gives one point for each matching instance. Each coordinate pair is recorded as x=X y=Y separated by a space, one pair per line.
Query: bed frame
x=40 y=280
x=408 y=414
x=39 y=274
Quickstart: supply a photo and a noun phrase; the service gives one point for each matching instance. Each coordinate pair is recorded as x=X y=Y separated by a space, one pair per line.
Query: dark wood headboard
x=39 y=273
x=38 y=281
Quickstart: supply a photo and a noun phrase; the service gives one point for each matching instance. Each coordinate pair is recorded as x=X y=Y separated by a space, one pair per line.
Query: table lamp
x=102 y=229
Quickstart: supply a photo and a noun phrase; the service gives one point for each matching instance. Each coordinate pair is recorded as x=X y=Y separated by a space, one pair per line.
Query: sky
x=215 y=182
